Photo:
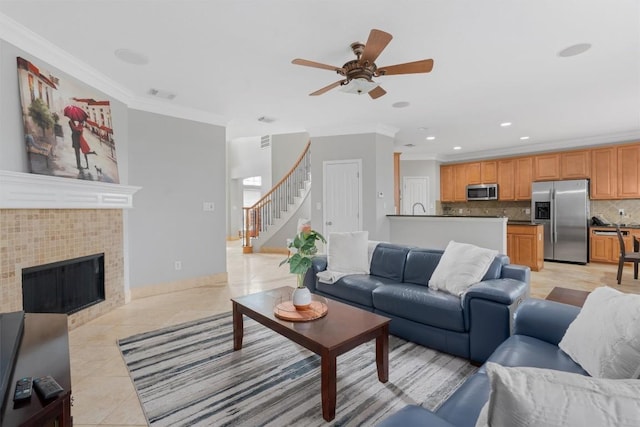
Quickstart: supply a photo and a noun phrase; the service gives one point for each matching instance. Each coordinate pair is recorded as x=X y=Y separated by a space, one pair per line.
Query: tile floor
x=102 y=390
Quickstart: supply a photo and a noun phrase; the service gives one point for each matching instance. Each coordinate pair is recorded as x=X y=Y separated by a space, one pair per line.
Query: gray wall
x=180 y=164
x=376 y=152
x=285 y=150
x=430 y=168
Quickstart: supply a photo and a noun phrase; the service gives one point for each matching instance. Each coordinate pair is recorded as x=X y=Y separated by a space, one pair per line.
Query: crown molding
x=418 y=156
x=167 y=109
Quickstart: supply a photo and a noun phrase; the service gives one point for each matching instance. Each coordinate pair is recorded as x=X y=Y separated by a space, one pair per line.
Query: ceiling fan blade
x=327 y=88
x=377 y=92
x=376 y=43
x=307 y=63
x=424 y=66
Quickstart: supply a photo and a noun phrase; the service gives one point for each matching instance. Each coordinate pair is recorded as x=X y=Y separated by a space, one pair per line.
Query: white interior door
x=342 y=196
x=415 y=189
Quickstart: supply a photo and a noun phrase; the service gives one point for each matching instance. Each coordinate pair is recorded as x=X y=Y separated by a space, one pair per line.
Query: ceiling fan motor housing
x=355 y=70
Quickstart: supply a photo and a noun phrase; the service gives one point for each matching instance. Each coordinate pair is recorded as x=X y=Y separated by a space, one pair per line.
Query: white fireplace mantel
x=32 y=191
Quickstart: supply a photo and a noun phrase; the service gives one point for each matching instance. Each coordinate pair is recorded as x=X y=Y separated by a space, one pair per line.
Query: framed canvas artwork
x=68 y=130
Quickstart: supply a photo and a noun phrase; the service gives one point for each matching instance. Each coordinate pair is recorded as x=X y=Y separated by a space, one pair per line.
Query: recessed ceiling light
x=505 y=124
x=524 y=137
x=457 y=148
x=431 y=138
x=574 y=50
x=131 y=57
x=400 y=104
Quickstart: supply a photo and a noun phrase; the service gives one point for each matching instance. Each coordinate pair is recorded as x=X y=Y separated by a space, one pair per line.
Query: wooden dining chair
x=625 y=256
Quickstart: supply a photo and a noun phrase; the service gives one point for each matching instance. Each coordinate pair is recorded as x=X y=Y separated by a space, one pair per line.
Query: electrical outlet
x=177 y=265
x=621 y=212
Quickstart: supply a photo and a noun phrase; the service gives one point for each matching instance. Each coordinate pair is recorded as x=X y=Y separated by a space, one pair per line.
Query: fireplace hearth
x=65 y=286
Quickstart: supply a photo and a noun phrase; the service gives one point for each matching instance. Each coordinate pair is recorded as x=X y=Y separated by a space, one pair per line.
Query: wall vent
x=265 y=141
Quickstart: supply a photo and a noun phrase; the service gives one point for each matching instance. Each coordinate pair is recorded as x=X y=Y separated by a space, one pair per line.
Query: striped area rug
x=189 y=375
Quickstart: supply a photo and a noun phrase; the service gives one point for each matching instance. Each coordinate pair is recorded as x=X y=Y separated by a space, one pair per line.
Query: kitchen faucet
x=413 y=208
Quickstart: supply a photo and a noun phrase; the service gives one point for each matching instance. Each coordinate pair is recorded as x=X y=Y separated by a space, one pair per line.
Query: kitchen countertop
x=509 y=221
x=613 y=226
x=516 y=222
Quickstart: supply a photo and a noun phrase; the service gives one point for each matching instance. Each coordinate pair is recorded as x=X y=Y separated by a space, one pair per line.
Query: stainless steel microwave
x=482 y=192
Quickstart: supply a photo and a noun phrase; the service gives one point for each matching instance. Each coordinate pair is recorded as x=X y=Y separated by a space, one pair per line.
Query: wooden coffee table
x=342 y=329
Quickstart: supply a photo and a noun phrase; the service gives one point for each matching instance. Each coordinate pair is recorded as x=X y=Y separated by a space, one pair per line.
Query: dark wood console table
x=44 y=350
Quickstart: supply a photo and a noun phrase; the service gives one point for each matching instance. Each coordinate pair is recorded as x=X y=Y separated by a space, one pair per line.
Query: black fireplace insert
x=65 y=286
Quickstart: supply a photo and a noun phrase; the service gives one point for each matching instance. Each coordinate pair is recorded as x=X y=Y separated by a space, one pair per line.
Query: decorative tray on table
x=287 y=311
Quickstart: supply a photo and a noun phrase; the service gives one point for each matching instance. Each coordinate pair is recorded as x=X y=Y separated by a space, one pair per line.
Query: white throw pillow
x=605 y=336
x=460 y=266
x=536 y=397
x=348 y=252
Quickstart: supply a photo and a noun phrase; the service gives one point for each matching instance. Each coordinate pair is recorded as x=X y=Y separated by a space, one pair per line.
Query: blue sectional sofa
x=397 y=288
x=539 y=327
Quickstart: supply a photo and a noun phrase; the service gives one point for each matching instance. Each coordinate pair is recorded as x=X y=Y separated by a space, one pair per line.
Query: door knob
x=329 y=223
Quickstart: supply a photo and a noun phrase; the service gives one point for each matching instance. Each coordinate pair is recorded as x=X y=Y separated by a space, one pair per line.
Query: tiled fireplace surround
x=45 y=219
x=30 y=237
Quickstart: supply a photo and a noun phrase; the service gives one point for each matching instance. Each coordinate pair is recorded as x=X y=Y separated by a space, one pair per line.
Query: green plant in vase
x=301 y=249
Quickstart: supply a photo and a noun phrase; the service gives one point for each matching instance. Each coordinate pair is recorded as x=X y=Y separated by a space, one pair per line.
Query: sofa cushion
x=544 y=397
x=356 y=288
x=420 y=304
x=388 y=261
x=347 y=252
x=605 y=336
x=461 y=266
x=420 y=265
x=522 y=350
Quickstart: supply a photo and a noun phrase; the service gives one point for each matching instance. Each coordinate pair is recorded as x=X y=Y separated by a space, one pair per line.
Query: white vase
x=301 y=298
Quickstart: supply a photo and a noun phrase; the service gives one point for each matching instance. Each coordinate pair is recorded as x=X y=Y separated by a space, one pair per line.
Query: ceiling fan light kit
x=359 y=86
x=359 y=73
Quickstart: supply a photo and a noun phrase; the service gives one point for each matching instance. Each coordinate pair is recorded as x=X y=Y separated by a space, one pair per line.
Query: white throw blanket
x=330 y=277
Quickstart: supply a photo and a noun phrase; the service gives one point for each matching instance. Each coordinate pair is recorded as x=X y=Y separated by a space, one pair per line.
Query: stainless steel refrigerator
x=563 y=208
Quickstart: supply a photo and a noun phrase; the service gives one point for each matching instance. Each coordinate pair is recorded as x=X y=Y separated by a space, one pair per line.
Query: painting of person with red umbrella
x=77 y=117
x=68 y=126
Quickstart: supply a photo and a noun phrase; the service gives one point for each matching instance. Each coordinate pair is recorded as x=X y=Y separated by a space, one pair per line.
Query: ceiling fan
x=359 y=73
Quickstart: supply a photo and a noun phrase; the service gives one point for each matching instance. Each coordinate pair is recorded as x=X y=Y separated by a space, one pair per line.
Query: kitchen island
x=435 y=231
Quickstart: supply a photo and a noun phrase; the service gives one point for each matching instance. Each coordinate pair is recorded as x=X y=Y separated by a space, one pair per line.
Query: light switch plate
x=208 y=206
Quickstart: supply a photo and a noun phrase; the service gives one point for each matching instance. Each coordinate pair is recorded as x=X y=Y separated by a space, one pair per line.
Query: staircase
x=276 y=207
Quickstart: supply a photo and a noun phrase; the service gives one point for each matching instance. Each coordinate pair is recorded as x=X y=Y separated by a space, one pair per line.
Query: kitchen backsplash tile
x=517 y=211
x=514 y=210
x=608 y=209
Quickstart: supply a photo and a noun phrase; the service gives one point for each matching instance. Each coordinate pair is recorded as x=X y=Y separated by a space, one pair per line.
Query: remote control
x=47 y=387
x=23 y=389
